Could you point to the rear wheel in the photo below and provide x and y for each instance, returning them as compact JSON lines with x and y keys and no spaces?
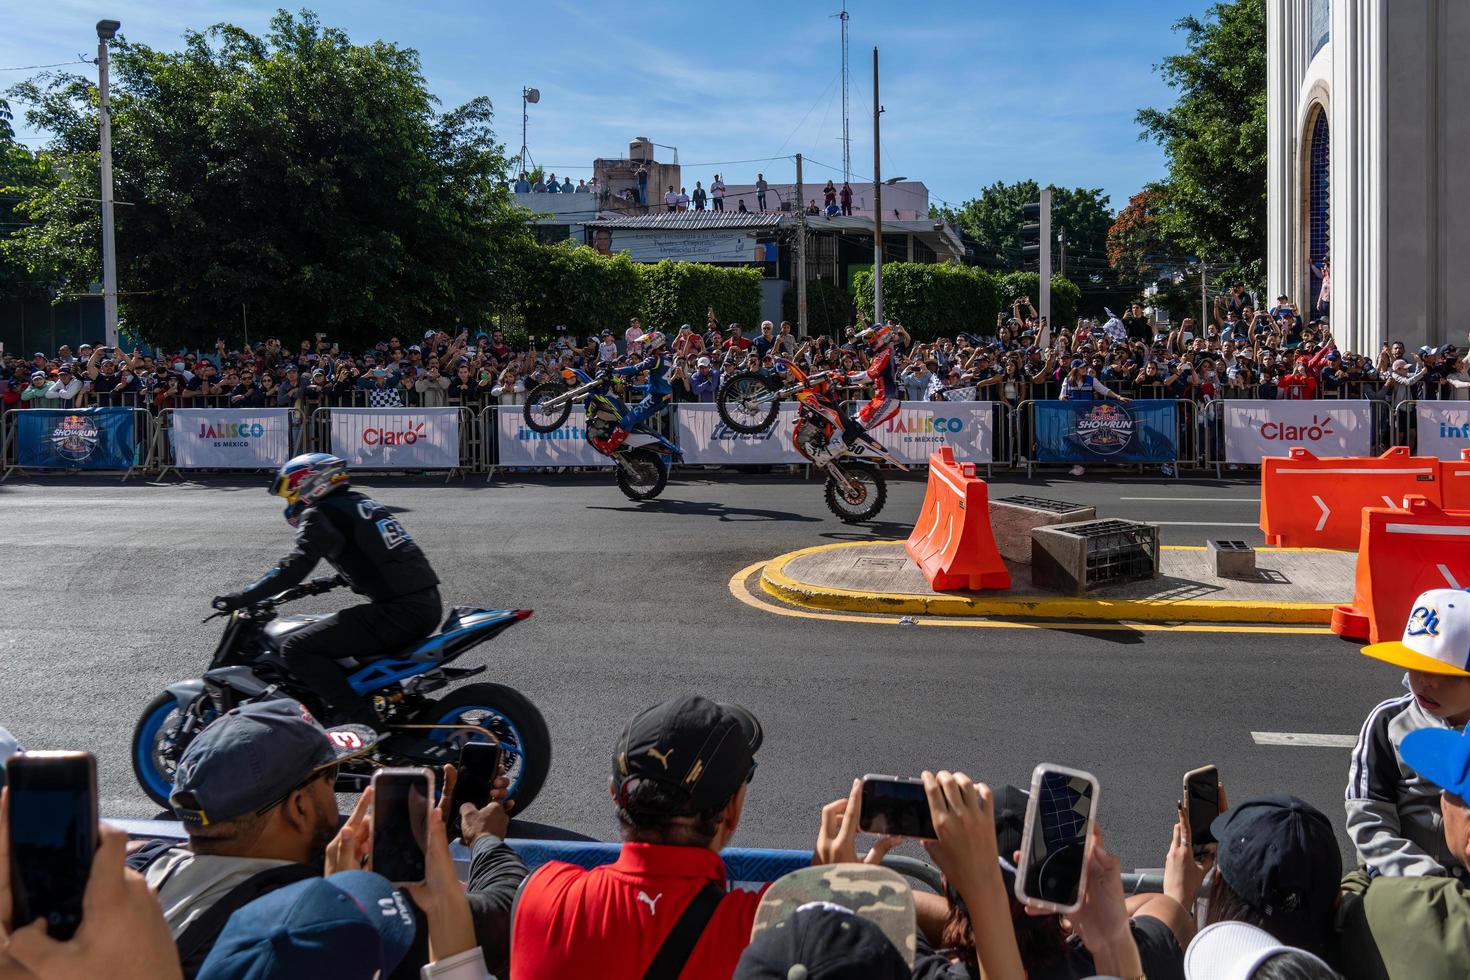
{"x":641,"y":473}
{"x":862,"y":499}
{"x":514,"y":721}
{"x":747,"y":402}
{"x":541,"y":418}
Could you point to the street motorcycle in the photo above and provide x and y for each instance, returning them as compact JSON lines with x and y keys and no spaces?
{"x":642,"y":460}
{"x":749,"y":402}
{"x":420,"y":731}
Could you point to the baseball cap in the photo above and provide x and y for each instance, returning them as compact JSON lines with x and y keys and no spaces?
{"x":415,"y":347}
{"x":1334,"y":356}
{"x":689,"y":742}
{"x":428,"y":334}
{"x":1078,"y":362}
{"x":822,"y":941}
{"x":37,"y":374}
{"x":878,"y":894}
{"x":1279,"y":854}
{"x":703,"y":362}
{"x":255,"y":755}
{"x":1440,"y":755}
{"x":352,"y":925}
{"x":1436,"y":638}
{"x":1233,"y":951}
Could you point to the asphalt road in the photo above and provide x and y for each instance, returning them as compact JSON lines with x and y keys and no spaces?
{"x":107,"y":584}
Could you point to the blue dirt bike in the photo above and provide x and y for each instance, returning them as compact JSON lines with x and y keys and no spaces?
{"x":420,"y":731}
{"x":642,"y":460}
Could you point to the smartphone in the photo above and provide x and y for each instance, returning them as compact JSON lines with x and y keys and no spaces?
{"x":1057,"y":839}
{"x":479,"y":767}
{"x":895,"y":805}
{"x":1201,"y":805}
{"x":53,"y":835}
{"x":400,"y":821}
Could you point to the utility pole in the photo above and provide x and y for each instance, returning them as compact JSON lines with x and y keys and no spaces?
{"x":1062,"y":241}
{"x":800,"y":254}
{"x":846,"y":136}
{"x":1044,"y":286}
{"x":1204,"y":298}
{"x":106,"y":31}
{"x":877,"y":204}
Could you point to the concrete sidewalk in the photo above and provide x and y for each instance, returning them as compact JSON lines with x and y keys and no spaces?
{"x":1292,"y":586}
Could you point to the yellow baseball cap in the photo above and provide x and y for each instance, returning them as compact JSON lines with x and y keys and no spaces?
{"x":1437,"y":637}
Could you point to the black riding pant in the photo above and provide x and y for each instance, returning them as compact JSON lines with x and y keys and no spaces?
{"x":361,"y":631}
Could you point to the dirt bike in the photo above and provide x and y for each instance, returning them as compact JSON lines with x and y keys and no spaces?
{"x":642,"y":460}
{"x":749,"y":403}
{"x":420,"y":731}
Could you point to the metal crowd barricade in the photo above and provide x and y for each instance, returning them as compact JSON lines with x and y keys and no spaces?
{"x":319,"y":428}
{"x":143,"y":447}
{"x":1382,"y":419}
{"x":163,"y":450}
{"x":1186,"y":441}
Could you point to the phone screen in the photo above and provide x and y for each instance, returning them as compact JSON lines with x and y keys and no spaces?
{"x":401,"y":801}
{"x":479,"y":766}
{"x":895,"y":806}
{"x":53,"y":834}
{"x":1202,"y":803}
{"x":1058,"y":821}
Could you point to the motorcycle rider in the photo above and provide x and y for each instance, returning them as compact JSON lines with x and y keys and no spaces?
{"x":660,"y":390}
{"x":370,"y":549}
{"x":883,"y":372}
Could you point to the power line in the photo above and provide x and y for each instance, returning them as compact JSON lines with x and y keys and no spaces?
{"x":59,"y":64}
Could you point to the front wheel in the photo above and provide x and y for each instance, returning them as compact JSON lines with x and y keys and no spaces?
{"x":514,"y":721}
{"x":538,"y":415}
{"x":157,"y":745}
{"x":641,"y":473}
{"x":747,"y":402}
{"x":863,"y":497}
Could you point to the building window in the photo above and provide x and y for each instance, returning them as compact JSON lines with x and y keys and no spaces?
{"x":1321,"y":28}
{"x":1319,"y":200}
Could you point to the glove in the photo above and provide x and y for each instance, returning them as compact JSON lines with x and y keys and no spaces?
{"x":227,"y":603}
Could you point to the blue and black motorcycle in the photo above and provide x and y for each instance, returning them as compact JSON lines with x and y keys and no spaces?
{"x":642,"y":458}
{"x":422,"y":731}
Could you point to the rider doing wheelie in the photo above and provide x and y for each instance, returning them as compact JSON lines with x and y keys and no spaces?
{"x":883,"y":372}
{"x":370,"y":549}
{"x":658,"y":393}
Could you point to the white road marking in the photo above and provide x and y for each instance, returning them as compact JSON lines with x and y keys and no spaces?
{"x":1199,"y":500}
{"x":1448,"y":576}
{"x":1306,"y":739}
{"x":1322,"y":521}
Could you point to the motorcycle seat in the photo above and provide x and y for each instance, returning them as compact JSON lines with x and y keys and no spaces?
{"x":454,"y":620}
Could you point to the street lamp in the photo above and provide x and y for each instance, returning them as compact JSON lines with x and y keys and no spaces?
{"x":529,"y":97}
{"x":106,"y":31}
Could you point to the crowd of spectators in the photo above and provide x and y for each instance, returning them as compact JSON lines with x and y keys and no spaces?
{"x":269,"y":885}
{"x":835,"y":201}
{"x":1269,"y":354}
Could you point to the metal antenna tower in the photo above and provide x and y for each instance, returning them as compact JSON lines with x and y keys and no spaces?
{"x":846,"y":137}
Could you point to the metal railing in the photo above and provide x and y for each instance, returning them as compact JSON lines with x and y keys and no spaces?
{"x":142,"y":461}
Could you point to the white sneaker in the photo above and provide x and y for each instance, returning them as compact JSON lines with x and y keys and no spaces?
{"x":1168,"y":469}
{"x":1077,"y":471}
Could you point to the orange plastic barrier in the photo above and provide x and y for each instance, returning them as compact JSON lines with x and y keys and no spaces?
{"x":1403,"y":552}
{"x":1454,"y":482}
{"x":953,"y":542}
{"x":1308,"y":502}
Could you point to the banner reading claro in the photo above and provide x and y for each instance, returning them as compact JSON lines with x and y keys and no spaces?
{"x":1256,"y":428}
{"x":251,"y":439}
{"x":922,"y":428}
{"x":396,"y":438}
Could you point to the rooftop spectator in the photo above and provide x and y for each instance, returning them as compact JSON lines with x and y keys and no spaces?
{"x":671,"y":199}
{"x":582,"y":187}
{"x":846,"y":197}
{"x":552,"y":187}
{"x":566,"y":185}
{"x":760,"y":191}
{"x":523,"y":186}
{"x":699,"y":196}
{"x":717,"y":193}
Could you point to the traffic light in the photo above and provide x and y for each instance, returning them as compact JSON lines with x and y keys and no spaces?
{"x":1031,"y":232}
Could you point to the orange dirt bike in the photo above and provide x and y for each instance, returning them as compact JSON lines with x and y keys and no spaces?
{"x":824,"y":435}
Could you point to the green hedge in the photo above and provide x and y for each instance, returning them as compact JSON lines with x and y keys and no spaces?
{"x":932,"y":300}
{"x":577,"y":286}
{"x":1065,"y":295}
{"x":683,"y":292}
{"x":828,"y":308}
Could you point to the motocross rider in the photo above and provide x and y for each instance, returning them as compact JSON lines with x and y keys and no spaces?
{"x":657,"y":364}
{"x":883,"y":372}
{"x":370,"y":549}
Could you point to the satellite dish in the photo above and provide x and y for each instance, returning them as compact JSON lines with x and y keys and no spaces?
{"x":533,"y":95}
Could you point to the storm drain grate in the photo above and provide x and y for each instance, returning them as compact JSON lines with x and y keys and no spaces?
{"x":1041,"y":503}
{"x":1117,"y":551}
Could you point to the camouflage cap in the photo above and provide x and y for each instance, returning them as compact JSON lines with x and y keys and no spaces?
{"x":875,"y":893}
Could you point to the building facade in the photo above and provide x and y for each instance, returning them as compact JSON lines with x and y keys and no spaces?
{"x":1368,"y":152}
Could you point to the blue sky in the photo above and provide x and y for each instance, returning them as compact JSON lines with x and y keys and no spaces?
{"x":970,"y":96}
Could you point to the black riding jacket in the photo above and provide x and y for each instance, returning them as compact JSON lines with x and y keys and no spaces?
{"x":362,"y":540}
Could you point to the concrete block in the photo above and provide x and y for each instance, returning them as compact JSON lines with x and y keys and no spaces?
{"x":1075,"y":558}
{"x":1232,"y":559}
{"x":1014,"y":518}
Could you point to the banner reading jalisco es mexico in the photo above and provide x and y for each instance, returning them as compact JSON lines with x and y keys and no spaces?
{"x":235,"y":438}
{"x":393,"y":438}
{"x":517,"y":444}
{"x":75,"y":438}
{"x":920,"y":428}
{"x":1256,"y":428}
{"x":704,"y":438}
{"x":1443,"y":428}
{"x":1106,"y":431}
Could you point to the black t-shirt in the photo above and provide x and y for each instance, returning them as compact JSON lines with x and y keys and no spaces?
{"x":1158,"y":951}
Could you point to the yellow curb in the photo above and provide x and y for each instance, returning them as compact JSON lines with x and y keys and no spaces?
{"x":775,"y":582}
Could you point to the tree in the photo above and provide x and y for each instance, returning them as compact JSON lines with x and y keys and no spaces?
{"x":993,"y":220}
{"x":1214,"y":136}
{"x":1139,"y":244}
{"x":307,"y":179}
